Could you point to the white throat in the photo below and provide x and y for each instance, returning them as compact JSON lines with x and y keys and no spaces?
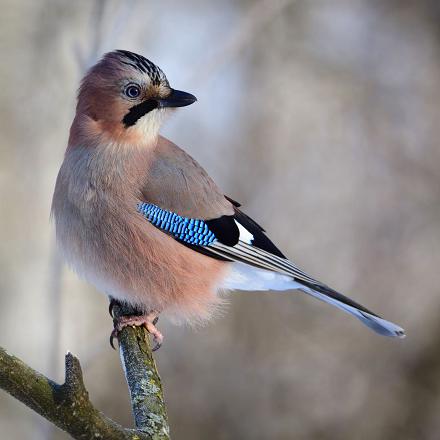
{"x":149,"y":124}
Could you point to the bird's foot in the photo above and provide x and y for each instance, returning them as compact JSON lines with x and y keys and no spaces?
{"x":147,"y":320}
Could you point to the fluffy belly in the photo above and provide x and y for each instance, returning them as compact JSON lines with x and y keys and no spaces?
{"x":135,"y":262}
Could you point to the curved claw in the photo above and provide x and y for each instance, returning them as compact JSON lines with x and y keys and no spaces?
{"x":113,"y":335}
{"x":113,"y":302}
{"x":157,"y":346}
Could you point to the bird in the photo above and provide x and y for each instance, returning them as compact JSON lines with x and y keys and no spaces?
{"x":141,"y":220}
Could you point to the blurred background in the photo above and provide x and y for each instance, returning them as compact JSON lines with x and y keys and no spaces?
{"x":322,"y":118}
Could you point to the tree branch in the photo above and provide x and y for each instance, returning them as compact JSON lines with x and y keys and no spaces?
{"x":68,"y":405}
{"x":143,"y":379}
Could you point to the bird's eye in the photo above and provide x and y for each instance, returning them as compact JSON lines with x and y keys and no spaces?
{"x":132,"y":91}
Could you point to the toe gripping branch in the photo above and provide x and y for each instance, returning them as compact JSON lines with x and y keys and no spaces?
{"x":138,"y":319}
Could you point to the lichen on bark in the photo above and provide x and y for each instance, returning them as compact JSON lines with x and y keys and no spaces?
{"x":68,"y":405}
{"x":143,"y":379}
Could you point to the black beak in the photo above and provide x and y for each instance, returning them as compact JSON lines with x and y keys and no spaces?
{"x":177,"y":98}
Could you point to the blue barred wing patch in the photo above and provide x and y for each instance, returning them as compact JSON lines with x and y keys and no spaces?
{"x":189,"y":230}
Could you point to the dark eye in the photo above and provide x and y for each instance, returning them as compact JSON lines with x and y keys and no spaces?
{"x":132,"y":91}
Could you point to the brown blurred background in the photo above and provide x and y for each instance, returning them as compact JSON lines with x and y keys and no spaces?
{"x":322,"y":118}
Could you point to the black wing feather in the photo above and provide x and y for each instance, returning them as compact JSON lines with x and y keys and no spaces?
{"x":234,"y":202}
{"x":225,"y":229}
{"x":260,"y":240}
{"x":227,"y":232}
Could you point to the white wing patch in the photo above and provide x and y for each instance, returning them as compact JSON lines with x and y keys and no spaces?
{"x":245,"y":235}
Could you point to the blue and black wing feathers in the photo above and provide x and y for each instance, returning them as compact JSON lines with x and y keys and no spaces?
{"x":238,"y":238}
{"x":187,"y":230}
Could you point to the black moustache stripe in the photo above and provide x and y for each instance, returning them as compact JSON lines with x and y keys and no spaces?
{"x":137,"y":111}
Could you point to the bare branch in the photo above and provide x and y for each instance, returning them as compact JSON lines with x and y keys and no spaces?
{"x":67,"y":405}
{"x":143,"y":380}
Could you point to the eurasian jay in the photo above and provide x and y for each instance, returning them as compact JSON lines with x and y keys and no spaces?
{"x":141,"y":220}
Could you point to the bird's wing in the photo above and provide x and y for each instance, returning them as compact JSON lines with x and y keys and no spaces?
{"x":235,"y":238}
{"x":182,"y":200}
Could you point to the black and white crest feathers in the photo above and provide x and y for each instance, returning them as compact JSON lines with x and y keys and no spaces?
{"x":143,"y":65}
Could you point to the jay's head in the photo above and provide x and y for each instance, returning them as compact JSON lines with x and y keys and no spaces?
{"x":127,"y":95}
